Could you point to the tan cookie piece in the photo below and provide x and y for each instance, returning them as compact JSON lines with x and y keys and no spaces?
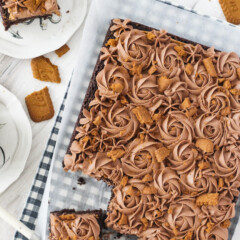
{"x":62,"y":50}
{"x":186,"y":103}
{"x":116,"y":154}
{"x":142,"y":115}
{"x":44,"y":70}
{"x":208,"y":199}
{"x":163,"y":83}
{"x":32,"y":5}
{"x":208,"y":63}
{"x":231,"y":10}
{"x":180,"y":50}
{"x":40,"y":105}
{"x":124,"y":181}
{"x":162,"y":153}
{"x":189,"y":69}
{"x":205,"y":144}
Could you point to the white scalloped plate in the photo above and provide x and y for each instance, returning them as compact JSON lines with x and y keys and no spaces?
{"x":38,"y":37}
{"x":15,"y":138}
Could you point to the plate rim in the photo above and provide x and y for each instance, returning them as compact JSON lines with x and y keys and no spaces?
{"x":24,"y":132}
{"x":29,"y":54}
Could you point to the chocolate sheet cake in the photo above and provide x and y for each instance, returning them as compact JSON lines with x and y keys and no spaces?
{"x":69,"y":224}
{"x":18,"y":11}
{"x":161,"y":123}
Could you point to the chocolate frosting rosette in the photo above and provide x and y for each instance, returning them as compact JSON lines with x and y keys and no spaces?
{"x":182,"y":219}
{"x":168,"y":61}
{"x":134,"y":50}
{"x":199,"y":79}
{"x":113,"y":81}
{"x":216,"y":219}
{"x":184,"y":156}
{"x":140,"y":158}
{"x":217,"y":233}
{"x":119,"y":123}
{"x":101,"y":165}
{"x":167,"y":183}
{"x":208,"y":126}
{"x":145,"y":93}
{"x":84,"y":226}
{"x":128,"y":207}
{"x":157,"y":233}
{"x":227,"y":64}
{"x":227,"y":163}
{"x":214,"y":99}
{"x":199,"y":181}
{"x":175,"y":128}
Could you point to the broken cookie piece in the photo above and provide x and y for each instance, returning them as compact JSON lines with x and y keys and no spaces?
{"x":208,"y":63}
{"x":62,"y":50}
{"x":44,"y":70}
{"x":205,"y":144}
{"x":162,"y":153}
{"x":32,"y":5}
{"x":209,"y":199}
{"x":163,"y":83}
{"x":116,"y":154}
{"x":40,"y":105}
{"x":142,"y":115}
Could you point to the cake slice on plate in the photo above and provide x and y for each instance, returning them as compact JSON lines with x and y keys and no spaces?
{"x":18,"y":11}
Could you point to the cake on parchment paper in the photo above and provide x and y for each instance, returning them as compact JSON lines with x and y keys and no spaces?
{"x":161,"y":123}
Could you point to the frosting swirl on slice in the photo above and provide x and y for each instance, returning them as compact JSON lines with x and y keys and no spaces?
{"x":82,"y":226}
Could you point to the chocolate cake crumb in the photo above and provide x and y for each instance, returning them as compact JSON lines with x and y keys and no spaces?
{"x":73,"y":188}
{"x":119,"y":235}
{"x":81,"y":181}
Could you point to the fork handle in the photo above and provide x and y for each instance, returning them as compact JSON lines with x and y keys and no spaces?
{"x":18,"y":225}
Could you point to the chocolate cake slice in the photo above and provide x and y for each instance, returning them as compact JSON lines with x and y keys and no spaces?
{"x":18,"y":11}
{"x":69,"y":224}
{"x":161,"y":122}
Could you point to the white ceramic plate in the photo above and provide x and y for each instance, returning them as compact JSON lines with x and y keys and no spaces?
{"x":15,"y":138}
{"x":38,"y":37}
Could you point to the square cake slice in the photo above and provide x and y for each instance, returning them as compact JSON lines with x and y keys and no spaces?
{"x":18,"y":11}
{"x":69,"y":224}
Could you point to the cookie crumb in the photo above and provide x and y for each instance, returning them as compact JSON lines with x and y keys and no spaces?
{"x":62,"y":50}
{"x":209,"y":199}
{"x":81,"y":181}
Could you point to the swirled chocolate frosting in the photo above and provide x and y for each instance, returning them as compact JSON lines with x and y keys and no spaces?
{"x":164,"y":128}
{"x":20,"y":9}
{"x":74,"y":226}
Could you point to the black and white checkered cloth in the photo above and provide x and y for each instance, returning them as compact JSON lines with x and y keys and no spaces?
{"x":31,"y":209}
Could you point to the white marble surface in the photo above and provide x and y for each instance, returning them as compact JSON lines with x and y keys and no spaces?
{"x":17,"y":77}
